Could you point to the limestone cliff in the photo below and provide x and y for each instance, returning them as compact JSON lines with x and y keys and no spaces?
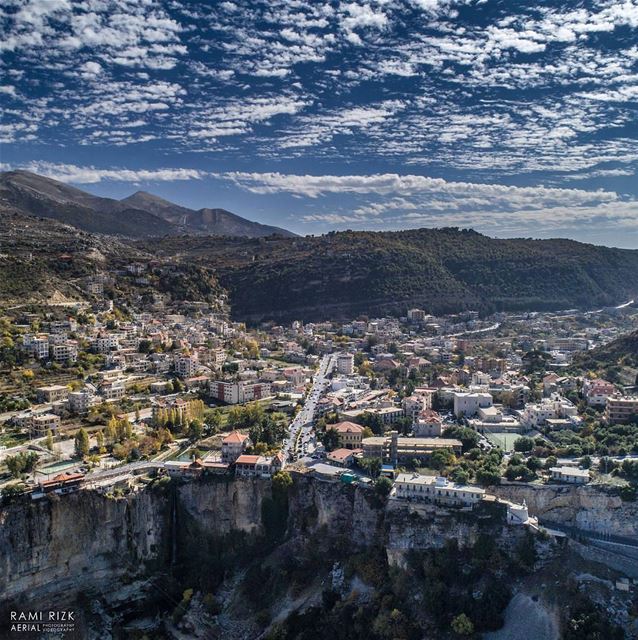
{"x":61,"y":545}
{"x":589,"y":507}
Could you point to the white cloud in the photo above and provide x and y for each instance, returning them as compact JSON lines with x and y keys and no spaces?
{"x":91,"y":175}
{"x":392,"y":183}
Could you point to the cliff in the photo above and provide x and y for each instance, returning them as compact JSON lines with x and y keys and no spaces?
{"x":62,"y":545}
{"x":590,"y":507}
{"x":132,"y":557}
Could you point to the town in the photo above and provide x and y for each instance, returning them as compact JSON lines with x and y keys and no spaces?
{"x":443,"y":409}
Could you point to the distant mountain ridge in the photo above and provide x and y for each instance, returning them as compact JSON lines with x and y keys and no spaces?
{"x":140,"y":215}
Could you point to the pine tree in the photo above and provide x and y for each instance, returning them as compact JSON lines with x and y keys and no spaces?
{"x":82,"y":443}
{"x":111,"y":431}
{"x":49,"y":440}
{"x":99,"y":436}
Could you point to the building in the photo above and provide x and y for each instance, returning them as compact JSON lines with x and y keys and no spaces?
{"x":38,"y":346}
{"x":436,"y":490}
{"x":393,"y":449}
{"x":64,"y":352}
{"x":536,"y":414}
{"x":258,"y":466}
{"x":54,"y":393}
{"x":80,"y":401}
{"x":233,"y":446}
{"x":416,"y":315}
{"x":341,"y":457}
{"x":570,"y":474}
{"x":427,"y":425}
{"x":105,"y":343}
{"x":113,"y":389}
{"x":597,"y":391}
{"x":621,"y":409}
{"x":345,"y":364}
{"x":468,"y":404}
{"x":43,"y":423}
{"x":419,"y":401}
{"x":240,"y":391}
{"x":350,"y":434}
{"x":185,"y":366}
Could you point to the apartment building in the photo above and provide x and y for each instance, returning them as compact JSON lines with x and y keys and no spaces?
{"x":621,"y":409}
{"x":53,"y":393}
{"x":239,"y":391}
{"x":65,"y":352}
{"x":597,"y":391}
{"x":345,"y":364}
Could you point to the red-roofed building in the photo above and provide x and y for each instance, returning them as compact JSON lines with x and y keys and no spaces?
{"x":342,"y":457}
{"x":350,"y":434}
{"x":233,"y":445}
{"x":597,"y":391}
{"x":258,"y":466}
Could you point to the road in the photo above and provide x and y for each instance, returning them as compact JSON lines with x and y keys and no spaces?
{"x":300,"y":438}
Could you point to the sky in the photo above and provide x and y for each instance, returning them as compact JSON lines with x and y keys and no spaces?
{"x":515,"y":118}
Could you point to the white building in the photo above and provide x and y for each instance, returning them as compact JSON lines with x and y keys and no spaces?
{"x":468,"y":404}
{"x":597,"y":391}
{"x":345,"y":364}
{"x":535,"y":414}
{"x":437,"y":490}
{"x":570,"y":474}
{"x":80,"y":401}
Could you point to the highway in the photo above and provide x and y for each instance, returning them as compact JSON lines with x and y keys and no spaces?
{"x":300,"y":439}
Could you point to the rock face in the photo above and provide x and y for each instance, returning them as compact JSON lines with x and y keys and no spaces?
{"x":587,"y":507}
{"x":63,"y":545}
{"x":86,"y":541}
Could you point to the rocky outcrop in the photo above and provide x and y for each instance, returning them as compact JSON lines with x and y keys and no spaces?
{"x":589,"y":507}
{"x":61,"y":545}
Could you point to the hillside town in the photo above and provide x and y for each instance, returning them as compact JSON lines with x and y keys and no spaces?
{"x":436,"y":409}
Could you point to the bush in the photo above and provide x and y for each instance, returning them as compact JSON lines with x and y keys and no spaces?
{"x":462,"y":625}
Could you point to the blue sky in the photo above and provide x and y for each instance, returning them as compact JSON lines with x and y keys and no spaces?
{"x":513,"y":118}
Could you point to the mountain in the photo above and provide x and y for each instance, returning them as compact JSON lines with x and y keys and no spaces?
{"x":138,"y":216}
{"x":207,"y":221}
{"x":441,"y":270}
{"x":36,"y":195}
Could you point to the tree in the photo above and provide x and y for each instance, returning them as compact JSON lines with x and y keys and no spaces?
{"x":49,"y":440}
{"x":467,"y":436}
{"x":383,"y":486}
{"x":331,"y":439}
{"x":82,"y":443}
{"x":371,"y":465}
{"x":551,"y":461}
{"x":462,"y":625}
{"x":534,"y":463}
{"x":372,"y":420}
{"x":99,"y":436}
{"x":441,"y":458}
{"x":281,"y":481}
{"x":111,"y":430}
{"x":22,"y":463}
{"x":524,"y":444}
{"x":195,"y":430}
